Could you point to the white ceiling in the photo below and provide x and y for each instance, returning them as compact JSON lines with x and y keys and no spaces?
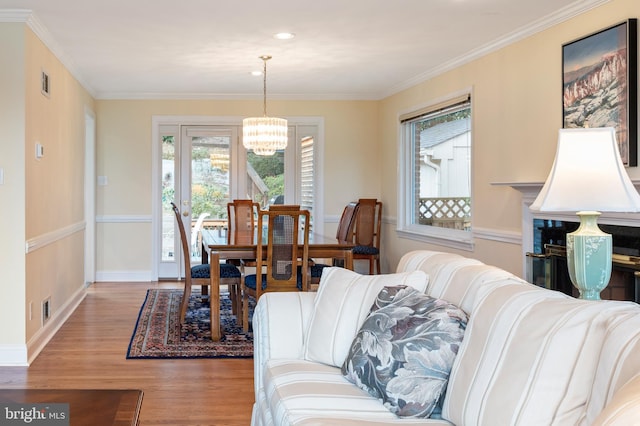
{"x":343,"y":49}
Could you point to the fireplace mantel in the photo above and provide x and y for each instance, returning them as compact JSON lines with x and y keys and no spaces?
{"x":530,"y":190}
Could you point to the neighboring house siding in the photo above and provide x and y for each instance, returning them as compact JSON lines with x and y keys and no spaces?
{"x":446,"y":155}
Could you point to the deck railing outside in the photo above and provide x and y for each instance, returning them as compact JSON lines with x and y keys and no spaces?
{"x":445,"y":212}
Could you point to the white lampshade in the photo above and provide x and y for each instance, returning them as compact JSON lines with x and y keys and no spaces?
{"x":587,"y":175}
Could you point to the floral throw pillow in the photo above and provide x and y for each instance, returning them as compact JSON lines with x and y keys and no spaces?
{"x":405,"y":349}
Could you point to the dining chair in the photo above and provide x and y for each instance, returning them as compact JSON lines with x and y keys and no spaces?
{"x":367,"y":233}
{"x":277,"y":267}
{"x":315,"y":271}
{"x":200,"y":274}
{"x":242,"y":218}
{"x":344,"y":234}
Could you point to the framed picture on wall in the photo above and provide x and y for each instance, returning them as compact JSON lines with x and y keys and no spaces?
{"x":600,"y":84}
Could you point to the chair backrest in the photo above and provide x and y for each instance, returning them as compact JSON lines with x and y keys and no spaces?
{"x":344,"y":234}
{"x":284,"y":207}
{"x":185,"y":246}
{"x":368,"y":222}
{"x":287,"y":247}
{"x":242,"y":216}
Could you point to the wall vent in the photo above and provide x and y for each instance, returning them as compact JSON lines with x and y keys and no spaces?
{"x":46,"y":310}
{"x":45,"y":87}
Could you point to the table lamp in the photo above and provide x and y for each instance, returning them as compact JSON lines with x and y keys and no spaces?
{"x":588,"y":177}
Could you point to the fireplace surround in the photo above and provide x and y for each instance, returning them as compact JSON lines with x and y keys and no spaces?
{"x":544,"y":256}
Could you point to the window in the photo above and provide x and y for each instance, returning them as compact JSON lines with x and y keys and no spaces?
{"x":435,"y":185}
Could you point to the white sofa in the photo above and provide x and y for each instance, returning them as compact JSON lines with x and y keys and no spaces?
{"x":530,"y":356}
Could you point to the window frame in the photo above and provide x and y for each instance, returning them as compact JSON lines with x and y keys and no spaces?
{"x":405,"y":228}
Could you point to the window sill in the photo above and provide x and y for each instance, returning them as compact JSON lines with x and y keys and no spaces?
{"x":459,"y":240}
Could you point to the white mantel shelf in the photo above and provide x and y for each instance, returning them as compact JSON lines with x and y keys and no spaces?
{"x":530,"y":190}
{"x":531,"y":187}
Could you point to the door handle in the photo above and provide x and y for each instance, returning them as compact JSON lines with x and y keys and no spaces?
{"x":185,"y":214}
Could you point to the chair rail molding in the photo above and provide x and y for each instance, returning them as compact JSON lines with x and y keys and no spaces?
{"x":33,"y":244}
{"x":123,"y":219}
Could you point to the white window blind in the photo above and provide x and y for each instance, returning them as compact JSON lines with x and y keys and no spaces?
{"x":306,"y":174}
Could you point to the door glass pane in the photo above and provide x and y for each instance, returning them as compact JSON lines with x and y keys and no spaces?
{"x":265,"y":183}
{"x":168,"y":195}
{"x":210,"y":180}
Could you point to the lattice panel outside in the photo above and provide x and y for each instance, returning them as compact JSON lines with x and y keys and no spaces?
{"x":451,"y":212}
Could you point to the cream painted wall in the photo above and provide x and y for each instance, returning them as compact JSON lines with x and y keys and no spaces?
{"x":12,"y":191}
{"x":54,"y":207}
{"x":124,"y":157}
{"x":517,"y":111}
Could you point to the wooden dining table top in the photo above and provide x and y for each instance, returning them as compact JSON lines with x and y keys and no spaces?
{"x":214,"y":239}
{"x":320,"y":246}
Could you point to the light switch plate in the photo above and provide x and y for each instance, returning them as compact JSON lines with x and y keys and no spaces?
{"x":102,"y":181}
{"x":39,"y":150}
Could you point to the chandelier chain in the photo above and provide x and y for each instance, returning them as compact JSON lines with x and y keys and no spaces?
{"x":264,"y":80}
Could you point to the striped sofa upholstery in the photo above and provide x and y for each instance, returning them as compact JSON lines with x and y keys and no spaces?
{"x":529,"y":357}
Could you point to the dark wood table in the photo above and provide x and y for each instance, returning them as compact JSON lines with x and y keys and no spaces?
{"x":86,"y":406}
{"x":215,"y":248}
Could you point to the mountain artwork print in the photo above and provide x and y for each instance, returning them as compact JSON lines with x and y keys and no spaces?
{"x":596,"y":84}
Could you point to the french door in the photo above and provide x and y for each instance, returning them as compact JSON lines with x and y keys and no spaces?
{"x":197,"y":171}
{"x":204,"y":166}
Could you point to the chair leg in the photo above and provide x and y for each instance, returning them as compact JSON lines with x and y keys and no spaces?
{"x":238,"y":307}
{"x":371,"y":266}
{"x":245,"y":312}
{"x":184,"y":304}
{"x":234,"y":301}
{"x":378,"y":265}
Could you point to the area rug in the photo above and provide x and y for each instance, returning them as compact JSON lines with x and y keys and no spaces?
{"x":158,"y":333}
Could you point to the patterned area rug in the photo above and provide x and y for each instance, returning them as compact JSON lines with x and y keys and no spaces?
{"x":158,"y":333}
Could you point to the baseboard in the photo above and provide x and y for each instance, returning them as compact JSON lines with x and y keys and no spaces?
{"x":44,"y":335}
{"x":23,"y":355}
{"x":123,"y":276}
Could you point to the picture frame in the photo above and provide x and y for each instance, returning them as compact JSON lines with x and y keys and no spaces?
{"x":600,"y":84}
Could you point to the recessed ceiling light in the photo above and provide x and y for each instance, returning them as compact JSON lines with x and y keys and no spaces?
{"x":284,"y":36}
{"x":256,"y":73}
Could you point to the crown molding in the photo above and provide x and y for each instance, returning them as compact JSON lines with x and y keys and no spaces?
{"x":577,"y":8}
{"x":570,"y":11}
{"x":26,"y":16}
{"x":234,"y":96}
{"x":14,"y":15}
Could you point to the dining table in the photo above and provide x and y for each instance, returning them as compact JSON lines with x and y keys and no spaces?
{"x":215,"y":248}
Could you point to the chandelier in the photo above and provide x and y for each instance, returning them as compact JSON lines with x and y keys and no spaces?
{"x":264,"y":135}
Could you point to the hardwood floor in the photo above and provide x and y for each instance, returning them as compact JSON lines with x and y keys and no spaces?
{"x":89,"y":352}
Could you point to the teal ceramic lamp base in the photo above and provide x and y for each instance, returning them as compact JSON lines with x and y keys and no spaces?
{"x":589,"y":252}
